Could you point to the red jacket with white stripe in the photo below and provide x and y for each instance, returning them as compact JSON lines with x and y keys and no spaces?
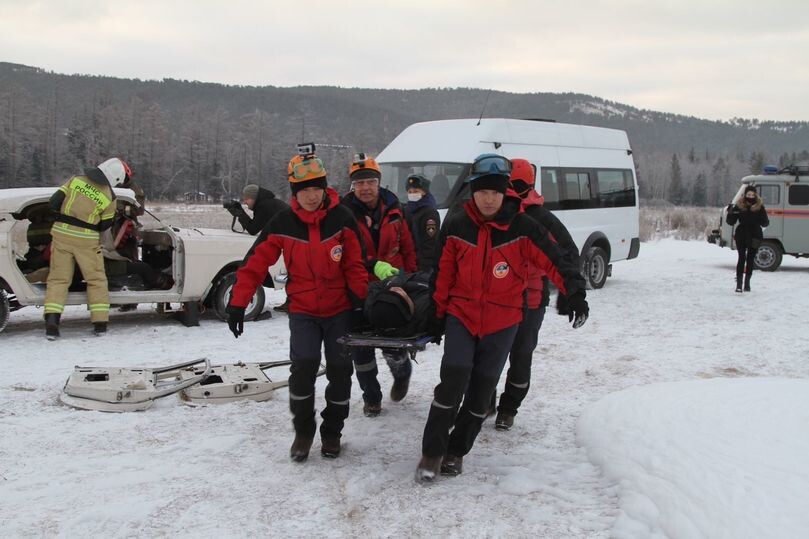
{"x":484,"y":265}
{"x":323,"y":257}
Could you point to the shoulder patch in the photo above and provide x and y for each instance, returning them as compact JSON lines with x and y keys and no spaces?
{"x":431,"y":227}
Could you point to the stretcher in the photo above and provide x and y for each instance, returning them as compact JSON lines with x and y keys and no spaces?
{"x":411,"y":345}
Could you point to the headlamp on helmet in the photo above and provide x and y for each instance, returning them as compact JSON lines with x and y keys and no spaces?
{"x":364,"y":167}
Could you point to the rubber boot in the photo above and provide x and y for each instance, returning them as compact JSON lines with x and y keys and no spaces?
{"x":99,"y":329}
{"x":52,"y":326}
{"x":747,"y":281}
{"x":739,"y":282}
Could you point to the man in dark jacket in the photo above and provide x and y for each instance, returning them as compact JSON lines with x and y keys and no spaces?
{"x":319,"y":240}
{"x":751,"y":215}
{"x":264,"y":205}
{"x":389,"y":250}
{"x":479,"y":289}
{"x":518,"y":377}
{"x":422,"y":217}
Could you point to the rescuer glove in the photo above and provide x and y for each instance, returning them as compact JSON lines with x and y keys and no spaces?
{"x":235,"y":320}
{"x":383,"y":270}
{"x":579,"y":311}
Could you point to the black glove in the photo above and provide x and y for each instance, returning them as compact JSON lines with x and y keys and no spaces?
{"x":358,"y":321}
{"x":579,"y":310}
{"x":436,"y":327}
{"x":562,"y":305}
{"x":235,"y":320}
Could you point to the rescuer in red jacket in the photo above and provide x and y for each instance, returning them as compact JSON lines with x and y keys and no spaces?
{"x":319,"y":240}
{"x":518,"y":377}
{"x":389,"y":249}
{"x":486,"y":248}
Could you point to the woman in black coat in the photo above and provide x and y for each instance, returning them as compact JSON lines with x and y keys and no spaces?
{"x":751,"y":215}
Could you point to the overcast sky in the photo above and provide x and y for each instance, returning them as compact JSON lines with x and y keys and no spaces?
{"x":714,"y":59}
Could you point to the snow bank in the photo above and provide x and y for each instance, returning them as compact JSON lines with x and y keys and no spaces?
{"x":709,"y":458}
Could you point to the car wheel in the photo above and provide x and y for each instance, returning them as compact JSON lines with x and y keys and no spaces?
{"x":222,"y":293}
{"x":5,"y":309}
{"x":594,"y":267}
{"x":768,"y":256}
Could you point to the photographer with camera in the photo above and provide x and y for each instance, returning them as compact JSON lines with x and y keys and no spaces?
{"x":261,"y":201}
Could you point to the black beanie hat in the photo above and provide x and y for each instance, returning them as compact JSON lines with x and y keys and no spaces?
{"x":750,"y":188}
{"x":495,"y":182}
{"x":390,"y":310}
{"x":317,"y":182}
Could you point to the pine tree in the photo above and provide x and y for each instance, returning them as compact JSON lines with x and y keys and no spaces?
{"x":699,"y":195}
{"x":677,"y":194}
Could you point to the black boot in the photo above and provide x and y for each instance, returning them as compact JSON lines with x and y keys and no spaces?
{"x":504,"y":421}
{"x":299,"y":451}
{"x":747,"y":281}
{"x":738,"y":282}
{"x":398,"y":390}
{"x":99,"y":329}
{"x":452,"y":466}
{"x":428,"y":469}
{"x":52,"y":326}
{"x":330,"y":446}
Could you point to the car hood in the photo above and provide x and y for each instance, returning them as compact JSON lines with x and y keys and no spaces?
{"x":215,"y":233}
{"x":14,"y":200}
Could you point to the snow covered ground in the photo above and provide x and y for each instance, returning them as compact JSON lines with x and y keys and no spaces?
{"x":679,"y":410}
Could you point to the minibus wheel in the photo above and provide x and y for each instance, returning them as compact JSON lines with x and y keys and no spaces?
{"x":595,"y":264}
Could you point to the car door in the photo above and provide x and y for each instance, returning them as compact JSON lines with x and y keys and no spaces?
{"x":796,"y":218}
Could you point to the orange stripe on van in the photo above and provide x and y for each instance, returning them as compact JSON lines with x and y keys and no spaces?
{"x":789,"y":213}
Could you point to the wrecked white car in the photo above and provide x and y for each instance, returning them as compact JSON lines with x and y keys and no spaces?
{"x":200,"y":262}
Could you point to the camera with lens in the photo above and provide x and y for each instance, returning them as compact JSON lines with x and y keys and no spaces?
{"x":306,"y":149}
{"x":232,"y":205}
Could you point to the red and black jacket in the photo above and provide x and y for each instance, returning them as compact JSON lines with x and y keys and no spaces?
{"x":323,"y":257}
{"x":483,"y":268}
{"x":394,"y":243}
{"x":532,"y":205}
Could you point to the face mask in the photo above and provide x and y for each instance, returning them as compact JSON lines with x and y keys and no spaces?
{"x":413,"y":197}
{"x":750,"y":201}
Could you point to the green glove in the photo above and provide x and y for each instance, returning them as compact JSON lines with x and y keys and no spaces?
{"x":383,"y":270}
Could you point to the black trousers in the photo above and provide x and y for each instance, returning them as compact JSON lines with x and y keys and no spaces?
{"x":470,"y":365}
{"x":307,"y":333}
{"x":747,"y":255}
{"x":518,"y":378}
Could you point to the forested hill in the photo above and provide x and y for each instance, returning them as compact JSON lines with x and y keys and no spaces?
{"x":184,"y":136}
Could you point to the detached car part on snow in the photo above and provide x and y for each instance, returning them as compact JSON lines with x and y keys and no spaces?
{"x":115,"y":389}
{"x":202,"y":262}
{"x":126,"y":390}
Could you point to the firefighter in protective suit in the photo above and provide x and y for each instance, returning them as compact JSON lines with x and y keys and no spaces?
{"x":84,"y":207}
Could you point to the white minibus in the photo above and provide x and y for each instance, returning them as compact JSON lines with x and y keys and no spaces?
{"x":586,"y":175}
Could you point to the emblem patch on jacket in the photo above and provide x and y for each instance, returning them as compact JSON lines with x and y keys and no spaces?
{"x":431,"y":227}
{"x":500,"y":270}
{"x":336,"y":253}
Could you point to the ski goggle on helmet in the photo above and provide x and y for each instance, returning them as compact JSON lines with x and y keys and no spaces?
{"x":490,"y":163}
{"x":306,"y":168}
